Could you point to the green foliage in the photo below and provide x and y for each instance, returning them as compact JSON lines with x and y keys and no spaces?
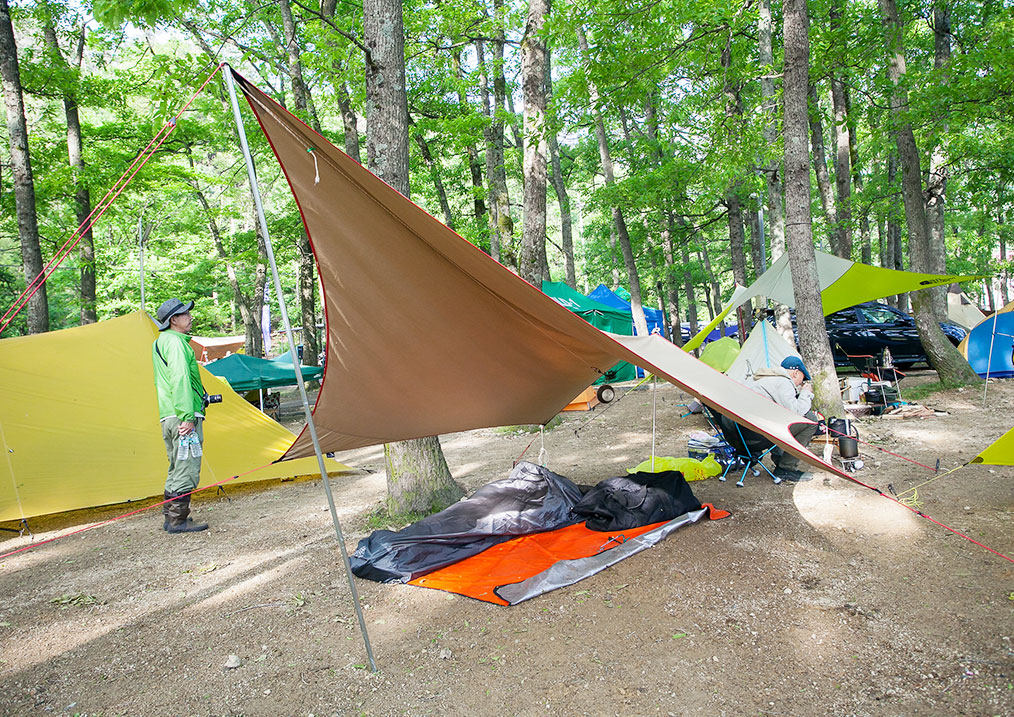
{"x":679,"y":141}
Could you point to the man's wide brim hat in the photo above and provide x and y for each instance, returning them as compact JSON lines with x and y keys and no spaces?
{"x":170,"y":308}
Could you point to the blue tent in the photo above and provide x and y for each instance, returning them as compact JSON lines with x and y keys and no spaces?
{"x":604,"y":295}
{"x":248,"y":373}
{"x":991,"y":346}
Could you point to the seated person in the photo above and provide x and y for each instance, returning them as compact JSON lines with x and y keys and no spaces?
{"x":788,"y":386}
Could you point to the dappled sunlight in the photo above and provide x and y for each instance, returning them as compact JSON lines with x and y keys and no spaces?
{"x":243,"y":586}
{"x":826,"y":507}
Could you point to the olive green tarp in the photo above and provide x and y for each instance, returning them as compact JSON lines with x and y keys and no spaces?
{"x":843,"y":283}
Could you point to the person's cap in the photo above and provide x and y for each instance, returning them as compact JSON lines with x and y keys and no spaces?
{"x":797,"y":363}
{"x":170,"y":308}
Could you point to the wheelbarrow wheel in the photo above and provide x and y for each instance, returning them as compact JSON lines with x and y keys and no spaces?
{"x":606,"y":393}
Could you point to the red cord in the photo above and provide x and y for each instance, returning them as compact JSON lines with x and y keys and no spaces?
{"x":33,"y":287}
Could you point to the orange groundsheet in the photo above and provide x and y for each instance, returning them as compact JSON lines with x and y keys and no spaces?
{"x":521,"y":558}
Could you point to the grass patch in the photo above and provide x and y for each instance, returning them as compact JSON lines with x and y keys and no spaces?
{"x":382,"y":519}
{"x":923,"y":390}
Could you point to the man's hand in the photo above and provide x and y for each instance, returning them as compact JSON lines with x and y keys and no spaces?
{"x":185,"y":428}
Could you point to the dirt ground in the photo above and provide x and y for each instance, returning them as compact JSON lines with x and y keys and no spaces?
{"x":817,"y":598}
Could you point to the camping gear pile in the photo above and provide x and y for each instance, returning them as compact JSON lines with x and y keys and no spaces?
{"x":529,"y":533}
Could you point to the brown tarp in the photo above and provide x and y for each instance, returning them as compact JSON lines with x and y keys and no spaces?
{"x":427,"y":335}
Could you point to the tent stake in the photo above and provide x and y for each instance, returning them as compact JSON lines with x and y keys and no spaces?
{"x":295,"y":359}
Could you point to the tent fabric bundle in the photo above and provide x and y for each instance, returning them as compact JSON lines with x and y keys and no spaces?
{"x":249,"y":373}
{"x":520,"y":537}
{"x":79,"y":423}
{"x":531,"y":499}
{"x":531,"y":565}
{"x":467,"y":326}
{"x":843,"y":283}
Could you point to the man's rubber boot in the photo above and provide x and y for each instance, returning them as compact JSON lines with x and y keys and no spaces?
{"x":167,"y":496}
{"x":179,"y":517}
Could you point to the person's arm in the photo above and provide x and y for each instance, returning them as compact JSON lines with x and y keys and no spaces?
{"x":179,"y":381}
{"x":785,"y":395}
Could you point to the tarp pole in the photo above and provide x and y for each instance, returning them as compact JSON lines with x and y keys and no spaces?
{"x":989,"y":360}
{"x":295,"y":359}
{"x":140,"y":253}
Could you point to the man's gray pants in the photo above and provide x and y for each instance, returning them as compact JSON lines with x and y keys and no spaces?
{"x":184,"y":475}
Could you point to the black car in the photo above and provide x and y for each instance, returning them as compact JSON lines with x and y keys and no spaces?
{"x":868,"y":329}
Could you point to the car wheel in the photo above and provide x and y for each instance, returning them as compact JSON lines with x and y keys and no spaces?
{"x":606,"y":393}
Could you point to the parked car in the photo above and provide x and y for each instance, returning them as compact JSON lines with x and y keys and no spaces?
{"x":869,"y":328}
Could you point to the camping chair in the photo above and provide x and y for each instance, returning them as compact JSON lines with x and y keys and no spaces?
{"x":872,"y":367}
{"x":750,"y":447}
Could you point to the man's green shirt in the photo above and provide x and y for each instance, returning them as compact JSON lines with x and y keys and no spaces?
{"x":177,"y":377}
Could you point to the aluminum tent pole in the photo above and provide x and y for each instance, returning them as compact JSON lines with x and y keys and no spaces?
{"x":295,"y":359}
{"x":989,"y":360}
{"x":140,"y":253}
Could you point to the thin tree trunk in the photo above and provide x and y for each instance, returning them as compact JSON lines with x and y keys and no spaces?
{"x":417,"y":475}
{"x":435,"y":172}
{"x":636,"y":307}
{"x":842,"y":137}
{"x":715,"y":295}
{"x":501,"y":226}
{"x":820,"y":167}
{"x":560,"y":187}
{"x":533,"y":83}
{"x":950,"y":366}
{"x":21,"y":169}
{"x":813,"y":339}
{"x":239,"y":300}
{"x":75,"y":154}
{"x":478,"y":203}
{"x":307,"y":263}
{"x":857,"y":183}
{"x":936,"y":186}
{"x":772,"y":171}
{"x":350,"y":122}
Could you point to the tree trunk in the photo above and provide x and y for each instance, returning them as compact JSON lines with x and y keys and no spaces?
{"x":478,"y":203}
{"x":820,"y":167}
{"x":716,"y":292}
{"x":688,"y":287}
{"x":636,"y":307}
{"x":307,"y":263}
{"x":950,"y":366}
{"x":772,"y":171}
{"x":435,"y":172}
{"x":349,"y":120}
{"x":75,"y":154}
{"x":239,"y":299}
{"x":814,"y":345}
{"x":533,"y":83}
{"x":560,"y":187}
{"x":737,"y":241}
{"x":936,"y":187}
{"x":501,"y":226}
{"x":857,"y":183}
{"x":417,"y":475}
{"x":21,"y":168}
{"x":842,"y":156}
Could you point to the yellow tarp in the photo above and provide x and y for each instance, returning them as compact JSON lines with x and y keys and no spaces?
{"x":720,"y":354}
{"x":999,"y":453}
{"x":79,"y":423}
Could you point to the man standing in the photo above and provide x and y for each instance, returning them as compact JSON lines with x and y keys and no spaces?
{"x":180,"y":409}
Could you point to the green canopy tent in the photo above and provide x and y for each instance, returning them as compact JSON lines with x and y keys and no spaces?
{"x":602,"y":317}
{"x":248,"y":373}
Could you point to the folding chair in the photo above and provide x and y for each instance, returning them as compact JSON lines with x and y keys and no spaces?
{"x":872,"y":367}
{"x":750,"y":447}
